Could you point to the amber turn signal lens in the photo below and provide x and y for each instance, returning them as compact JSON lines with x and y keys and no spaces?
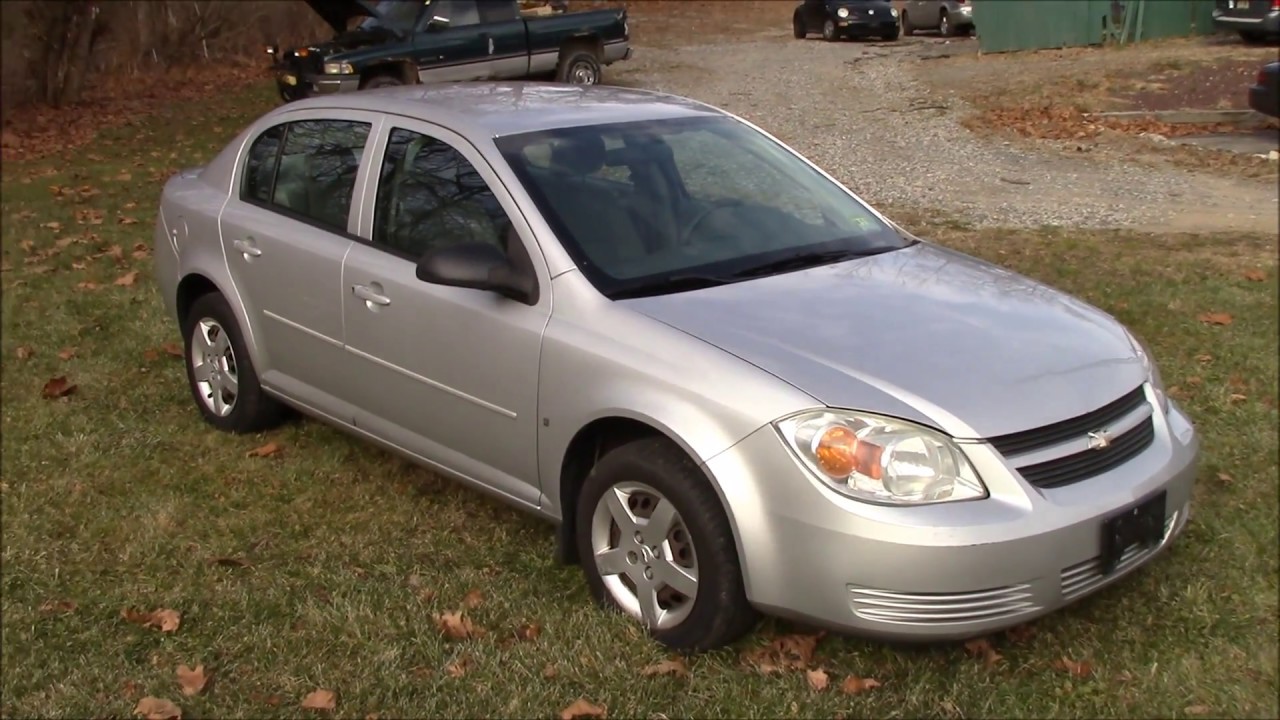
{"x":840,"y":453}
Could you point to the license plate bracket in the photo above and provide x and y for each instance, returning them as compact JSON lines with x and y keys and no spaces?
{"x":1141,"y":524}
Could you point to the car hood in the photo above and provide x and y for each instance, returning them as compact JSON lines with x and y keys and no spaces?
{"x":337,"y":13}
{"x":923,"y":333}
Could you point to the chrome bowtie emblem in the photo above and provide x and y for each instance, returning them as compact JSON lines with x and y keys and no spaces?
{"x":1099,"y":440}
{"x":871,"y":12}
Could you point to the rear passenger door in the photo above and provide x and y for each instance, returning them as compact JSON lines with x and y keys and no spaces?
{"x":449,"y":374}
{"x":285,"y":232}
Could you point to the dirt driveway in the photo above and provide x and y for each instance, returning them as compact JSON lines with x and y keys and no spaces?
{"x":866,"y":112}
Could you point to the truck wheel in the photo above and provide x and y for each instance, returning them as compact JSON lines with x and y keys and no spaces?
{"x":378,"y":81}
{"x":579,"y":67}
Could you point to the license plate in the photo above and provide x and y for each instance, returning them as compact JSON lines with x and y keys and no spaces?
{"x":1142,"y":524}
{"x":1241,"y":5}
{"x":289,"y":79}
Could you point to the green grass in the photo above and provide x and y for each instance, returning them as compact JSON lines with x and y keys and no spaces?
{"x":119,"y":496}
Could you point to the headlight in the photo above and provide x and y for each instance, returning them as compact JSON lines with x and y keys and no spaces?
{"x":893,"y":12}
{"x":843,"y":12}
{"x":338,"y":68}
{"x":1153,"y":372}
{"x":881,"y":460}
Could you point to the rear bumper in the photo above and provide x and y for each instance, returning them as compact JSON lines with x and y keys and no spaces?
{"x":615,"y":51}
{"x":1268,"y":24}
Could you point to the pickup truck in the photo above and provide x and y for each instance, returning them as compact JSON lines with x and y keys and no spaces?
{"x":403,"y":42}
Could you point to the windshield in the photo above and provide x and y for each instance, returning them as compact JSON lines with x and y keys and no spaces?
{"x":661,"y":206}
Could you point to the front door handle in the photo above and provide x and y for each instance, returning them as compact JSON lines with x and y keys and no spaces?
{"x":247,"y":247}
{"x":372,"y":295}
{"x":490,"y":45}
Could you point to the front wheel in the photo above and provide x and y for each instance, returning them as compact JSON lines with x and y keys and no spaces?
{"x":579,"y":67}
{"x":829,"y":31}
{"x":893,"y":36}
{"x":656,"y":544}
{"x":797,"y":28}
{"x":223,"y":381}
{"x":907,"y":28}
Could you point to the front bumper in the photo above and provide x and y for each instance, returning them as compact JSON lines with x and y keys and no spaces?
{"x":297,"y":85}
{"x":1268,"y":24}
{"x":938,"y":572}
{"x":1264,"y":100}
{"x":866,"y":28}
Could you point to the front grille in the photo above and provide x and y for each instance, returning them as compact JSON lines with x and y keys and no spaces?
{"x":1030,"y":440}
{"x":1083,"y":465}
{"x":1082,"y":578}
{"x":941,"y":608}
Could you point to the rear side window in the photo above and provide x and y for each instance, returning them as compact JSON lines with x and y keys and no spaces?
{"x":307,"y":168}
{"x":260,"y":170}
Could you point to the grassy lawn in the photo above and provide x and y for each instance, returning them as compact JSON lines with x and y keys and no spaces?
{"x":325,"y":565}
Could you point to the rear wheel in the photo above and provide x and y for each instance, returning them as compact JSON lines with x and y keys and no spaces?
{"x":656,"y":544}
{"x":907,"y":29}
{"x":829,"y":31}
{"x":797,"y":27}
{"x":1252,"y":36}
{"x":945,"y":28}
{"x":579,"y":67}
{"x":223,"y":381}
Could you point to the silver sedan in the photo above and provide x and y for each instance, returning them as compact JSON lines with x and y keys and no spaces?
{"x":733,"y":385}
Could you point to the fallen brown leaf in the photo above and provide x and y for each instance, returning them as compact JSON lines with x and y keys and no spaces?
{"x":57,"y":387}
{"x":473,"y":599}
{"x":126,"y":220}
{"x":1081,"y":669}
{"x":1255,"y":275}
{"x":127,"y":279}
{"x":87,"y":285}
{"x":549,"y":671}
{"x":267,"y":450}
{"x":1216,"y":318}
{"x":150,"y":355}
{"x":672,"y":666}
{"x":818,"y":679}
{"x":1204,"y":358}
{"x":456,"y":626}
{"x":1237,"y":397}
{"x":582,"y":708}
{"x":981,"y":647}
{"x":786,"y":652}
{"x":67,"y":353}
{"x":172,"y":349}
{"x":854,"y":685}
{"x":163,"y":619}
{"x":24,"y":352}
{"x":1225,"y":478}
{"x":123,"y":177}
{"x":58,"y":607}
{"x":1197,"y":710}
{"x":459,"y":667}
{"x":53,"y":225}
{"x":152,"y":708}
{"x":192,"y":681}
{"x":320,"y":700}
{"x":528,"y":632}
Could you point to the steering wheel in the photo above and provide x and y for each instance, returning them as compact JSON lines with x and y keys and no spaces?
{"x":715,"y":206}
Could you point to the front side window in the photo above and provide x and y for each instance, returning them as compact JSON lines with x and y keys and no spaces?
{"x":315,"y":175}
{"x":653,"y":206}
{"x":430,"y":196}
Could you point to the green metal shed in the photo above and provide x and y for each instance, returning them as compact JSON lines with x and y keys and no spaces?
{"x":1012,"y":25}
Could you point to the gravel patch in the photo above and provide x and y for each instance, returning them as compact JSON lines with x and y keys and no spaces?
{"x":861,"y":112}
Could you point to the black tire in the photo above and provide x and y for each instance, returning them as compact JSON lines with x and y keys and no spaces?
{"x":829,"y":31}
{"x":1253,"y":36}
{"x":893,"y":36}
{"x":797,"y":27}
{"x":252,"y":410}
{"x":379,"y":81}
{"x":907,"y":29}
{"x":579,"y":67}
{"x":720,"y":613}
{"x":945,"y":28}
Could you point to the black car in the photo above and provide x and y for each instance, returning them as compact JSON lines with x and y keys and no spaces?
{"x":1264,"y":95}
{"x":837,"y":19}
{"x":1255,"y":20}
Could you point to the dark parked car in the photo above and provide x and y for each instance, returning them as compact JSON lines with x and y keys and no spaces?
{"x":837,"y":19}
{"x":1255,"y":20}
{"x":403,"y":42}
{"x":1264,"y":95}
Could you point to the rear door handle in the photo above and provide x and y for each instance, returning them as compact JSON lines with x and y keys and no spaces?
{"x":247,"y":248}
{"x":371,"y":295}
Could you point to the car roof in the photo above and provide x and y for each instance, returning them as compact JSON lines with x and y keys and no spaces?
{"x":495,"y":109}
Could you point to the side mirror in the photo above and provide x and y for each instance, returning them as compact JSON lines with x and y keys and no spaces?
{"x":437,"y":23}
{"x":479,"y":266}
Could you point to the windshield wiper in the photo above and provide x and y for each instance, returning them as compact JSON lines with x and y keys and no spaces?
{"x":799,"y":261}
{"x":672,"y":284}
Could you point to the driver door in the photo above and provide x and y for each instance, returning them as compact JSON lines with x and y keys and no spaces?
{"x":449,"y":374}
